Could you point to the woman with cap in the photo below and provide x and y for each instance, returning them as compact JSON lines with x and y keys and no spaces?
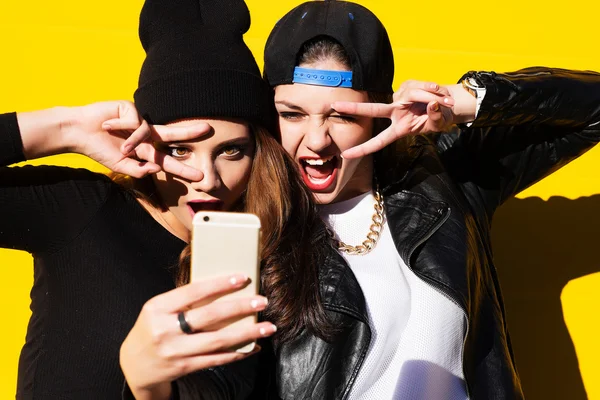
{"x":105,"y":249}
{"x":413,"y":292}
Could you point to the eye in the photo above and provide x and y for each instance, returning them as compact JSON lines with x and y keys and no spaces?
{"x":343,"y":118}
{"x":232,"y":151}
{"x":290,"y":115}
{"x":177,"y":151}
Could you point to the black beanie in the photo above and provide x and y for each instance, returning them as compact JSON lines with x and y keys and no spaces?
{"x":197,"y":64}
{"x":357,"y":29}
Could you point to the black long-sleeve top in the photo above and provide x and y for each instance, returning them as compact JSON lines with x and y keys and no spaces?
{"x":98,"y":257}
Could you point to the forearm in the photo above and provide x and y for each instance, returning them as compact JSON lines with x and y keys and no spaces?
{"x":43,"y":132}
{"x":539,"y":96}
{"x":530,"y":123}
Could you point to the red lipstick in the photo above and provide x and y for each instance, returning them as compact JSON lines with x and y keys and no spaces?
{"x":319,"y":176}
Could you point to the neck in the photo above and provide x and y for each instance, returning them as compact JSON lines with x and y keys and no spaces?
{"x":168,"y":221}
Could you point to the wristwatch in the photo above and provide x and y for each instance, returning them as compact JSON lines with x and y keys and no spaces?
{"x":470,"y":86}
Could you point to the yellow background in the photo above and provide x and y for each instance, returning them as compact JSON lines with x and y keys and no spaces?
{"x":70,"y":52}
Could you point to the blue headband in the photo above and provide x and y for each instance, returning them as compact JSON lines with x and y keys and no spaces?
{"x":322,"y":77}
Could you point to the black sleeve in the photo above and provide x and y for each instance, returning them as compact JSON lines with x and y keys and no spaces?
{"x":228,"y":382}
{"x":11,"y":145}
{"x":531,"y":123}
{"x":42,"y":208}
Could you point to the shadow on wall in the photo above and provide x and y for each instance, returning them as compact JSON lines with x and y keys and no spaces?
{"x":539,"y":246}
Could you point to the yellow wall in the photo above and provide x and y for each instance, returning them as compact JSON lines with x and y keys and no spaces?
{"x":70,"y":52}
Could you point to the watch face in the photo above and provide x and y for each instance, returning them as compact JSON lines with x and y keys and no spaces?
{"x":470,"y":86}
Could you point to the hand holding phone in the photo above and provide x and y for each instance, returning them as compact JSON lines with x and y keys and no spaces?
{"x":157,"y":350}
{"x":225,"y":243}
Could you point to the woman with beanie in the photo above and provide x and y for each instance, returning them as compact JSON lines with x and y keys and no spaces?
{"x":414,"y":291}
{"x":104,"y":249}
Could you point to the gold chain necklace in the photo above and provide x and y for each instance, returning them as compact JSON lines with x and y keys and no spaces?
{"x":373,"y":235}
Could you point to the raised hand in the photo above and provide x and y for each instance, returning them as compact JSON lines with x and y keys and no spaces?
{"x":157,"y":351}
{"x":114,"y":134}
{"x":418,"y":107}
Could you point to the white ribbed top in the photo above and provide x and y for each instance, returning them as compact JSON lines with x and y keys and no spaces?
{"x":417,"y":332}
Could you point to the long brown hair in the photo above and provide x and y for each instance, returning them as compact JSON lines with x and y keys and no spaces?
{"x":294,"y":240}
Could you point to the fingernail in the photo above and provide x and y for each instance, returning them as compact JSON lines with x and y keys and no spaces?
{"x":259,"y":302}
{"x":332,"y":107}
{"x":342,"y":156}
{"x":446,"y":100}
{"x":238,"y":279}
{"x":265,"y":332}
{"x":106,"y":127}
{"x":436,"y":106}
{"x":434,"y":86}
{"x":127,"y":149}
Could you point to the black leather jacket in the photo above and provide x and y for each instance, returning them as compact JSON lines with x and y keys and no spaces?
{"x":439,"y":204}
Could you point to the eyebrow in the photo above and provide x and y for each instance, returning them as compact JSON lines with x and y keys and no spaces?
{"x":238,"y":140}
{"x":289,"y":105}
{"x":293,"y":106}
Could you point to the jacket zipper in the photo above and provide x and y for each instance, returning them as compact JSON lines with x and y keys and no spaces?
{"x":441,"y":290}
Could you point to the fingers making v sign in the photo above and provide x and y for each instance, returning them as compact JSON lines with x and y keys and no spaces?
{"x":417,"y":108}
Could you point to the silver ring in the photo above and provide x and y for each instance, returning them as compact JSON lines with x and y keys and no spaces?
{"x":183,"y":324}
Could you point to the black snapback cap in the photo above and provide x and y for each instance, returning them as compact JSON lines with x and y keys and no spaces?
{"x":356,"y":28}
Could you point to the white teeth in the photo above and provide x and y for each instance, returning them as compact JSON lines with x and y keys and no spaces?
{"x":317,"y":161}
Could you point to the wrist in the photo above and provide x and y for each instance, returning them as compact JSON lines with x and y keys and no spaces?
{"x":71,"y":129}
{"x":161,"y":391}
{"x":465,"y":104}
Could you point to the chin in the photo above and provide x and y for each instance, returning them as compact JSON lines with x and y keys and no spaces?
{"x":324,"y":198}
{"x":184,"y":218}
{"x":187,"y":224}
{"x":332,"y":194}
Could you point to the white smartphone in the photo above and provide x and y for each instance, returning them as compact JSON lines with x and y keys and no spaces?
{"x":226,"y":243}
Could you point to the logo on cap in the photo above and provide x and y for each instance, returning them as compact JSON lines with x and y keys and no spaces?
{"x":321,"y":77}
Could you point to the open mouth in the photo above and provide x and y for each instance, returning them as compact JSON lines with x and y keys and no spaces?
{"x":204,"y":205}
{"x":319,"y":173}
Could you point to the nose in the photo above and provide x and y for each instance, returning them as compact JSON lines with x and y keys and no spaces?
{"x":317,"y":137}
{"x":211,"y":179}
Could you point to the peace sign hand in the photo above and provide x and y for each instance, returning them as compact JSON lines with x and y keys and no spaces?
{"x":418,"y":108}
{"x":115,"y":135}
